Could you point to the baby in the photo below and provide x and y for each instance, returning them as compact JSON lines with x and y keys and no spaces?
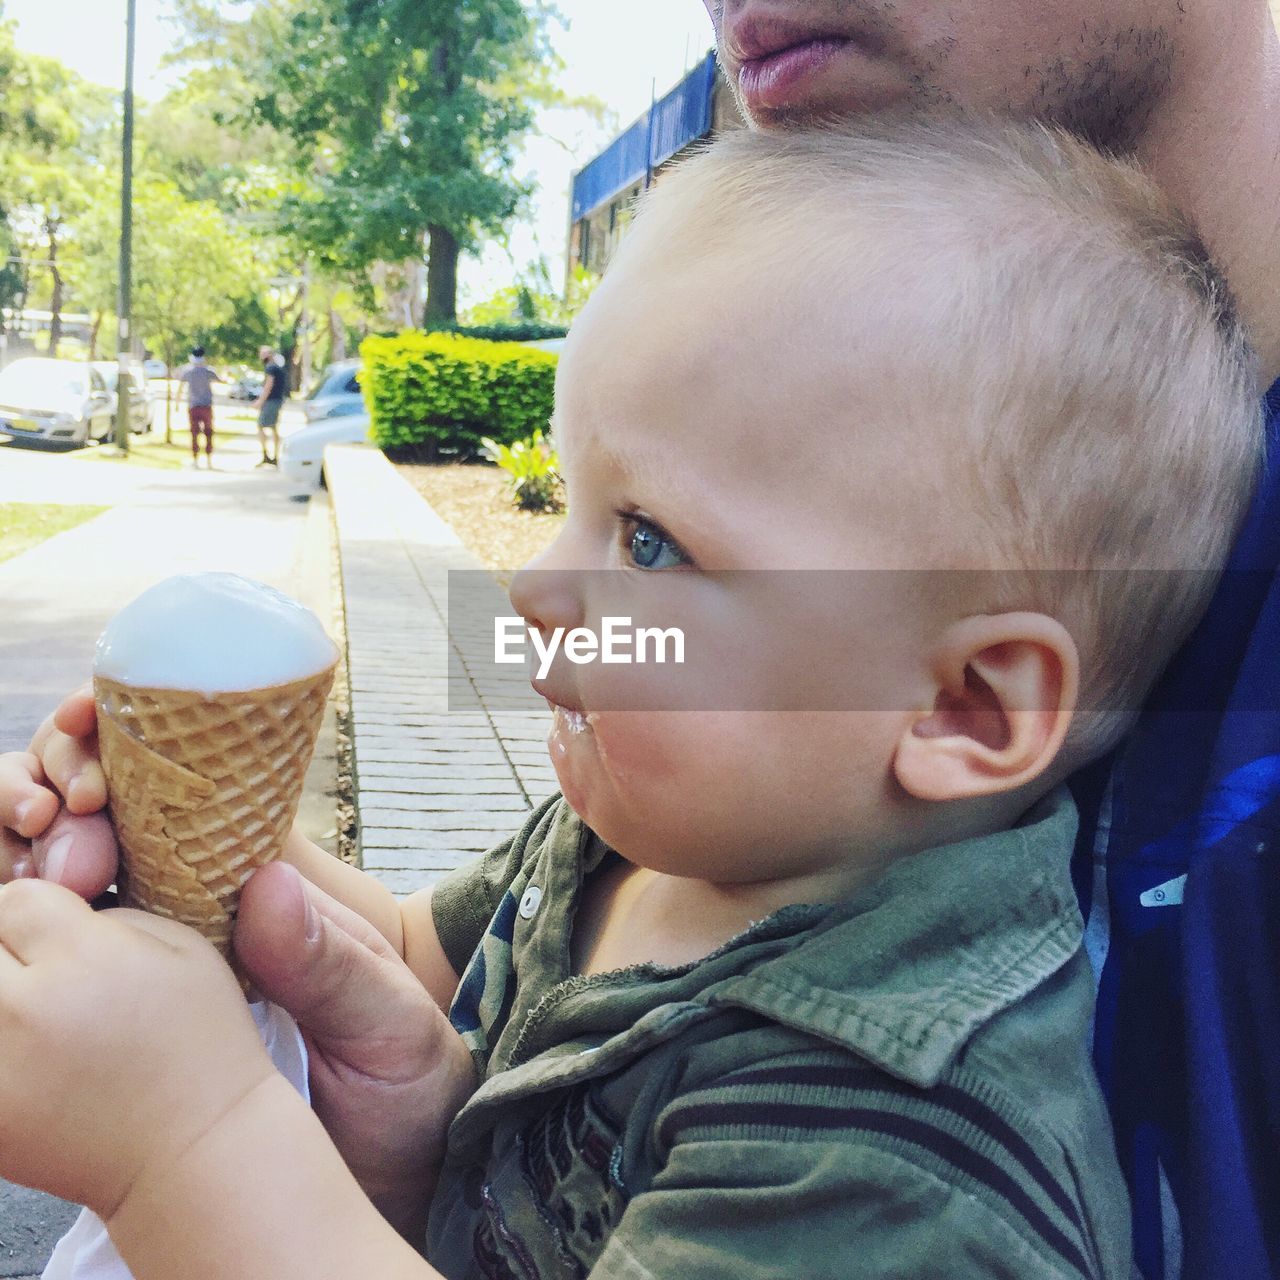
{"x":800,"y":990}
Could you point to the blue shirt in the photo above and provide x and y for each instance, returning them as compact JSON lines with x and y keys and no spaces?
{"x":1178,"y":872}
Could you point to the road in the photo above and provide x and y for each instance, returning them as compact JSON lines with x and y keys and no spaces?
{"x":57,"y":597}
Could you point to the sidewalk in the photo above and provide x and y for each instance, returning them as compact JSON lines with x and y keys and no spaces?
{"x":59,"y":595}
{"x":444,"y":770}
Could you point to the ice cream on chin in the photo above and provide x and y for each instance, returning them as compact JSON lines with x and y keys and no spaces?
{"x":210,"y":690}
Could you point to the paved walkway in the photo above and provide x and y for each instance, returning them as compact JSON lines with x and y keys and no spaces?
{"x":445,"y":765}
{"x":58,"y":596}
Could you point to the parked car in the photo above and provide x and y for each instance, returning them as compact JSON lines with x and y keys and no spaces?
{"x":142,"y":404}
{"x":62,"y":402}
{"x":337,"y":394}
{"x":155,"y":369}
{"x":554,"y":345}
{"x":302,"y":453}
{"x":245,"y":386}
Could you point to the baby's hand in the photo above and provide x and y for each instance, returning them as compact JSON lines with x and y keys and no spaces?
{"x":124,"y":1040}
{"x":51,"y":800}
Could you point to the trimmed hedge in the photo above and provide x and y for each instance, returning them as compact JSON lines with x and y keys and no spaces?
{"x":433,"y":391}
{"x":512,"y":331}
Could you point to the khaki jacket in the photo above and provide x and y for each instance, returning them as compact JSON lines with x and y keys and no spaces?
{"x":895,"y":1086}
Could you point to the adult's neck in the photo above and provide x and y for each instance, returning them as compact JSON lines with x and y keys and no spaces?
{"x":1214,"y":146}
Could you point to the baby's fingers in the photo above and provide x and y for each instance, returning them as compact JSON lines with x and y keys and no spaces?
{"x":38,"y":919}
{"x":72,"y":765}
{"x":77,"y":716}
{"x":26,"y":806}
{"x":15,"y":857}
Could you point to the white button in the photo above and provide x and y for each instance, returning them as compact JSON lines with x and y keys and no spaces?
{"x":529,"y":903}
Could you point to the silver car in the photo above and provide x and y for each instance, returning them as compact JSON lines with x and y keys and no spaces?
{"x":142,"y":404}
{"x":337,"y":394}
{"x":63,"y":402}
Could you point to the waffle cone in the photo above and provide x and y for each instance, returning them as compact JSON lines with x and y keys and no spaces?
{"x":203,"y":790}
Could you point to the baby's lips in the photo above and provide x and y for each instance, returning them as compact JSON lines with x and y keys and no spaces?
{"x":555,"y":695}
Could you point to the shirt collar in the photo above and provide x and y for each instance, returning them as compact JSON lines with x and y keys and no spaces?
{"x":905,"y":971}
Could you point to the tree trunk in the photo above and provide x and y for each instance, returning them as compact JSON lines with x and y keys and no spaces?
{"x":337,"y":337}
{"x":170,"y":357}
{"x":442,"y":276}
{"x":93,"y":335}
{"x":55,"y":303}
{"x":415,"y":292}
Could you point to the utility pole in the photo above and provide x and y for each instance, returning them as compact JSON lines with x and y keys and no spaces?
{"x":306,"y":326}
{"x":124,"y":308}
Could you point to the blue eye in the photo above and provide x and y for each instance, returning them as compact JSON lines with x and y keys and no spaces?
{"x":650,"y":548}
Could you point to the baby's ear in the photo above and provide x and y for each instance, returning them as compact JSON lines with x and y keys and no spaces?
{"x":1006,"y":689}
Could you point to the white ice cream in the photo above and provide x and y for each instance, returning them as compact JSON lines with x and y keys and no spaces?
{"x":212,"y":633}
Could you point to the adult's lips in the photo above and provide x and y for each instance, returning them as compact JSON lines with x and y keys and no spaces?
{"x":774,"y":57}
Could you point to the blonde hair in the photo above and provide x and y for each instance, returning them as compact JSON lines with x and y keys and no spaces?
{"x":1049,"y":303}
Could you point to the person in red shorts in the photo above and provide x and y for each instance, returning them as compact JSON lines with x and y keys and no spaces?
{"x":199,"y":379}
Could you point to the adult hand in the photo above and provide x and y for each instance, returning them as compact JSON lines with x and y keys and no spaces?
{"x":388,"y":1071}
{"x":51,"y":800}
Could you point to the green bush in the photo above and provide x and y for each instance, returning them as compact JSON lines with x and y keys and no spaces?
{"x":523,"y":331}
{"x":504,"y":331}
{"x":533,"y":471}
{"x":433,"y":391}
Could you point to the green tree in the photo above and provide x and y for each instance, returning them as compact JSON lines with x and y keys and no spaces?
{"x":425,"y":167}
{"x":52,"y":130}
{"x":191,"y":266}
{"x":533,"y":299}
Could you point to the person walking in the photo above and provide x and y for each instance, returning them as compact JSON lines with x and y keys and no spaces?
{"x":198,"y":379}
{"x":268,"y":404}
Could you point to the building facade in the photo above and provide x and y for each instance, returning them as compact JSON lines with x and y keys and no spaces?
{"x":605,"y":189}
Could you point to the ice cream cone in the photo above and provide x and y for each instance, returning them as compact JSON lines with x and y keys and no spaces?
{"x":203,"y":789}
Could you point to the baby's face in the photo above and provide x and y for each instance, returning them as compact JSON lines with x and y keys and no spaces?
{"x":707,"y":435}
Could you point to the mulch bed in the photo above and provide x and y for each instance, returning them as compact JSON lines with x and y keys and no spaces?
{"x":473,"y":499}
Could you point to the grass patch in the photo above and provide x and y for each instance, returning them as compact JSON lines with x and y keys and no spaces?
{"x":25,"y":524}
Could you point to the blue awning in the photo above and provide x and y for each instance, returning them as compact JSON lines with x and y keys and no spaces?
{"x":681,"y":117}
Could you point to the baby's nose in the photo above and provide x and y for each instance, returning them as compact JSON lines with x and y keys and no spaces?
{"x":548,"y":598}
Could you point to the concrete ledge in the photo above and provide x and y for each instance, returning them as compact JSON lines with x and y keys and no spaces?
{"x":444,"y":769}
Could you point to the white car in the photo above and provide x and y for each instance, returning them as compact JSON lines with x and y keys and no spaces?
{"x":337,"y":394}
{"x":302,"y":453}
{"x":154,"y":368}
{"x":62,"y":402}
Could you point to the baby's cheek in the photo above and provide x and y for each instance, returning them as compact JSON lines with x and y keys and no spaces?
{"x":640,"y":747}
{"x":675,"y":750}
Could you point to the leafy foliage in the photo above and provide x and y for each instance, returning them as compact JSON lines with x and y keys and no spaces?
{"x":514,"y":332}
{"x":533,"y":471}
{"x":433,"y":391}
{"x":445,"y":92}
{"x":533,"y":301}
